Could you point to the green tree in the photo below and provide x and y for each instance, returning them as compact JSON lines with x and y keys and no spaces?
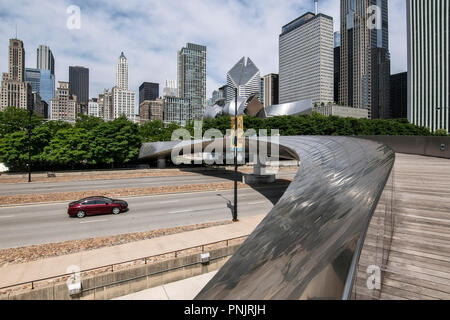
{"x":69,"y":147}
{"x":14,"y":119}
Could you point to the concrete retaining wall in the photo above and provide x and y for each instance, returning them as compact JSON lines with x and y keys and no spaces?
{"x":119,"y":283}
{"x":425,"y":146}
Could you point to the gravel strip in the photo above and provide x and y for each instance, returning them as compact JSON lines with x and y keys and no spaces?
{"x":118,"y":193}
{"x":34,"y":253}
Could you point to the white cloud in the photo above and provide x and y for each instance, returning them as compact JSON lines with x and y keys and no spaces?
{"x":151,"y":32}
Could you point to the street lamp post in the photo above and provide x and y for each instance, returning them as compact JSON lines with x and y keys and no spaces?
{"x":234,"y":142}
{"x":30,"y":128}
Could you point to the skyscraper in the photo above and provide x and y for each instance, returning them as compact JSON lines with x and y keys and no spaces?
{"x":365,"y":57}
{"x":148,"y":91}
{"x":47,"y":86}
{"x":306,"y":59}
{"x":79,"y":83}
{"x":33,"y":76}
{"x":192,"y":77}
{"x":15,"y":90}
{"x":45,"y":59}
{"x":428,"y":63}
{"x":399,"y":95}
{"x":170,"y":89}
{"x":271,"y":90}
{"x":122,"y":73}
{"x":123,"y":100}
{"x":337,"y":65}
{"x":244,"y":76}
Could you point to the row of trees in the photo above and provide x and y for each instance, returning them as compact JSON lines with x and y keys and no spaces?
{"x":94,"y":143}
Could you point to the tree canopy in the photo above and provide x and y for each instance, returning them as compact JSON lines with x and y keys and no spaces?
{"x":94,"y":143}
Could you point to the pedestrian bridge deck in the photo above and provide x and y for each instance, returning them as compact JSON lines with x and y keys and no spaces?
{"x":418,"y":264}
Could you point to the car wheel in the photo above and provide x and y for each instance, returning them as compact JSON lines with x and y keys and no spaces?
{"x":116,"y":210}
{"x":81,"y":214}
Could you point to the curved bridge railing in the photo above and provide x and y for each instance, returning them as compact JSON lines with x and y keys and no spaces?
{"x":308,"y":246}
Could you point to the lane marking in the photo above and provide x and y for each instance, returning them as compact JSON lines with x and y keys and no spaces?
{"x":259,"y":202}
{"x":93,"y":221}
{"x":169,"y":201}
{"x":182,"y":211}
{"x":7,"y":217}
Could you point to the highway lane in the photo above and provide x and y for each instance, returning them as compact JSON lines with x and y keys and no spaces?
{"x":7,"y":189}
{"x":49,"y":223}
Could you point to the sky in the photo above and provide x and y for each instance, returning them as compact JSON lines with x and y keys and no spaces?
{"x":150,"y":32}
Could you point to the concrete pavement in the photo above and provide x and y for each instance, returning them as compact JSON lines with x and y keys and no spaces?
{"x":10,"y":189}
{"x":14,"y":274}
{"x":186,"y":289}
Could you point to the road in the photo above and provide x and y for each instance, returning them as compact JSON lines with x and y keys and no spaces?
{"x":49,"y":223}
{"x":10,"y":189}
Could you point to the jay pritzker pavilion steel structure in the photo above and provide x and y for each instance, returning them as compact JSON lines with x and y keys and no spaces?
{"x":309,"y":245}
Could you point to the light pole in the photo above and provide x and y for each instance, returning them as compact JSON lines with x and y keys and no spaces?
{"x":235,"y":140}
{"x":30,"y":129}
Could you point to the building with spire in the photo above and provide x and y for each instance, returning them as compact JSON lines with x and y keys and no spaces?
{"x":15,"y":91}
{"x":123,"y":100}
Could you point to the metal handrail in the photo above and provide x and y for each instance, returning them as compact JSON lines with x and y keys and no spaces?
{"x":145,"y":259}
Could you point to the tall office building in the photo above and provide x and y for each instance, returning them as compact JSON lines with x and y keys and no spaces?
{"x":148,"y":91}
{"x":122,"y":73}
{"x":399,"y":95}
{"x":428,"y":63}
{"x":270,"y":90}
{"x":45,"y":59}
{"x":365,"y":57}
{"x":105,"y":105}
{"x":15,"y":91}
{"x":192,"y":77}
{"x":244,"y":76}
{"x":79,"y":83}
{"x":124,"y":100}
{"x":33,"y":76}
{"x":306,"y":59}
{"x":47,"y":86}
{"x":45,"y":62}
{"x":337,"y":65}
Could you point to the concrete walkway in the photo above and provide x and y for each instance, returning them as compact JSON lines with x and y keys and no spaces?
{"x":50,"y":267}
{"x":186,"y":289}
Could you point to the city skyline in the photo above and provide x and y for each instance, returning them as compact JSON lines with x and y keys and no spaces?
{"x":152,"y":59}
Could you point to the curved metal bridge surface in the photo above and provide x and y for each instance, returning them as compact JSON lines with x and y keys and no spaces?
{"x":308,"y":246}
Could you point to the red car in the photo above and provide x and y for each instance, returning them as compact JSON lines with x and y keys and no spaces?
{"x":96,"y":205}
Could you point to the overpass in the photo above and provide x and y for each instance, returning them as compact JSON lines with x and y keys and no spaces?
{"x":348,"y":208}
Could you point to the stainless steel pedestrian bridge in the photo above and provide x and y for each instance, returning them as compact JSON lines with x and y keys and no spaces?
{"x":336,"y":216}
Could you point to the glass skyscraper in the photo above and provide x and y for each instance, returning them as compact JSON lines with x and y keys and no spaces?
{"x":33,"y":76}
{"x":79,"y":83}
{"x":364,"y":57}
{"x":47,"y":86}
{"x":192,"y":77}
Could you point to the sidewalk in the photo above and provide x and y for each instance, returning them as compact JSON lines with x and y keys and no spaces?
{"x":186,"y":289}
{"x":46,"y":268}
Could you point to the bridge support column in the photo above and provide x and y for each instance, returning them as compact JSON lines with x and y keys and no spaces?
{"x":261,"y":174}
